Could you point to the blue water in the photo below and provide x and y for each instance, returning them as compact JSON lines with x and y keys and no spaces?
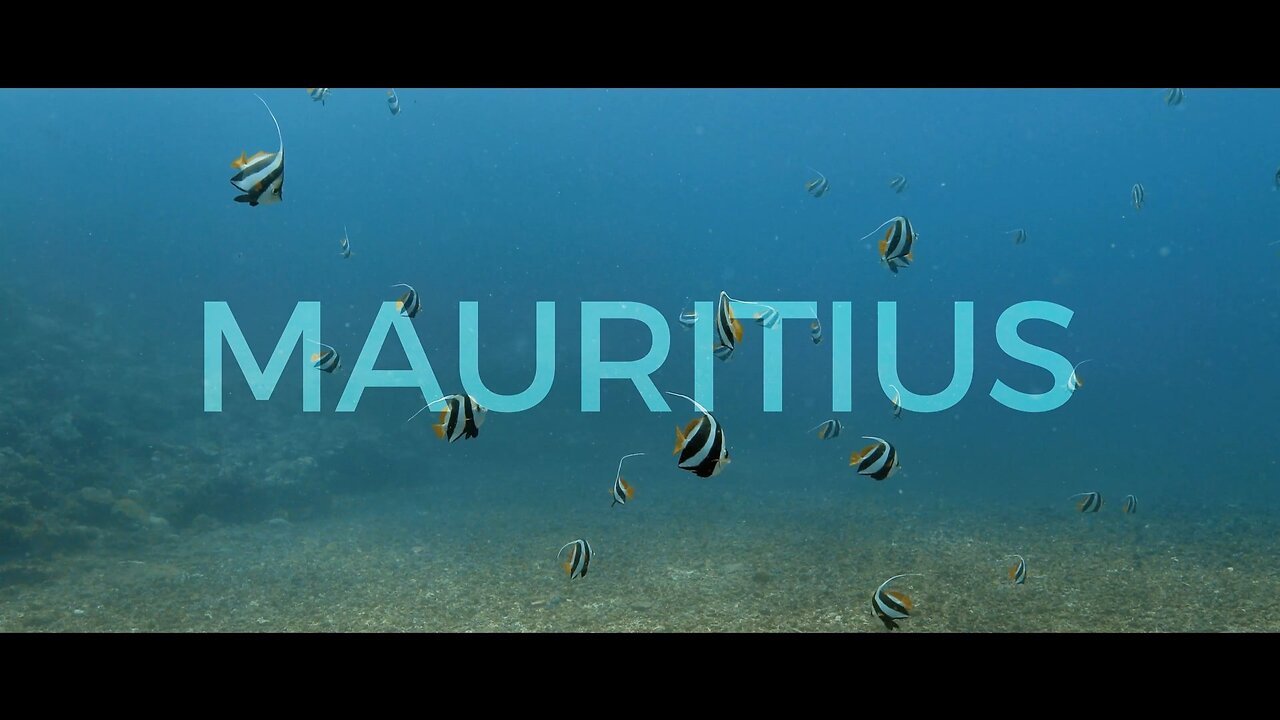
{"x":119,"y":216}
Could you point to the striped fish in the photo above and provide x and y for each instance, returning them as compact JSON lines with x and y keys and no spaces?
{"x":1018,"y":573}
{"x":1130,"y":505}
{"x":898,"y":183}
{"x":1139,"y":196}
{"x":1090,"y":501}
{"x":320,"y":94}
{"x":1019,"y":236}
{"x":897,"y":246}
{"x":817,"y":187}
{"x":261,"y":177}
{"x":815,"y":331}
{"x":461,"y":417}
{"x":688,"y":318}
{"x":408,"y":304}
{"x":345,"y":244}
{"x":622,"y":490}
{"x":1174,"y":97}
{"x":728,"y":329}
{"x":579,"y":559}
{"x":827,"y":430}
{"x":326,"y":359}
{"x":1075,"y":382}
{"x":767,"y":317}
{"x":393,"y":102}
{"x":897,"y":402}
{"x":891,"y":605}
{"x":878,"y":461}
{"x":701,"y":444}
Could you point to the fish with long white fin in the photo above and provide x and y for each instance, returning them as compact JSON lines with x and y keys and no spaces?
{"x":728,"y":329}
{"x":579,"y":559}
{"x":688,"y":318}
{"x":393,"y":102}
{"x":345,"y":244}
{"x":408,"y":304}
{"x":891,"y":605}
{"x":1130,"y":505}
{"x":701,"y":444}
{"x":1075,"y":382}
{"x":261,"y":177}
{"x":878,"y":461}
{"x":461,"y":417}
{"x":815,"y":331}
{"x":326,"y":359}
{"x":897,"y":403}
{"x":622,"y":491}
{"x":818,"y":186}
{"x":1089,"y":501}
{"x":828,"y":429}
{"x":320,"y":94}
{"x":898,"y":183}
{"x":897,"y":247}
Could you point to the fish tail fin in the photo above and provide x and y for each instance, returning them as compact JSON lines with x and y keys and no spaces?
{"x":679,"y":440}
{"x":439,"y":428}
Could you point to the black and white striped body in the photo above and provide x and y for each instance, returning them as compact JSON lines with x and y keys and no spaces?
{"x":704,"y":452}
{"x":261,"y":178}
{"x":887,"y":606}
{"x":817,"y":187}
{"x":829,"y":429}
{"x":767,"y":317}
{"x":622,"y":491}
{"x":579,"y":560}
{"x":393,"y":102}
{"x":896,"y":247}
{"x":728,"y":329}
{"x":1019,"y":571}
{"x":1090,"y":502}
{"x":899,"y":183}
{"x":1130,"y":505}
{"x":688,"y":318}
{"x":878,"y":461}
{"x":1139,"y":196}
{"x":409,"y":304}
{"x":320,"y":94}
{"x":327,"y":360}
{"x":1174,"y":97}
{"x":461,"y":418}
{"x":815,"y":331}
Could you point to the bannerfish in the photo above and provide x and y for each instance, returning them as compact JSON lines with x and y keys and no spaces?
{"x":261,"y":177}
{"x":408,"y":304}
{"x":891,"y":605}
{"x":701,"y":444}
{"x":622,"y":490}
{"x":461,"y":417}
{"x":578,"y":560}
{"x":878,"y":461}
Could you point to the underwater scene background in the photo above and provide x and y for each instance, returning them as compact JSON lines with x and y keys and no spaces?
{"x":125,"y":506}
